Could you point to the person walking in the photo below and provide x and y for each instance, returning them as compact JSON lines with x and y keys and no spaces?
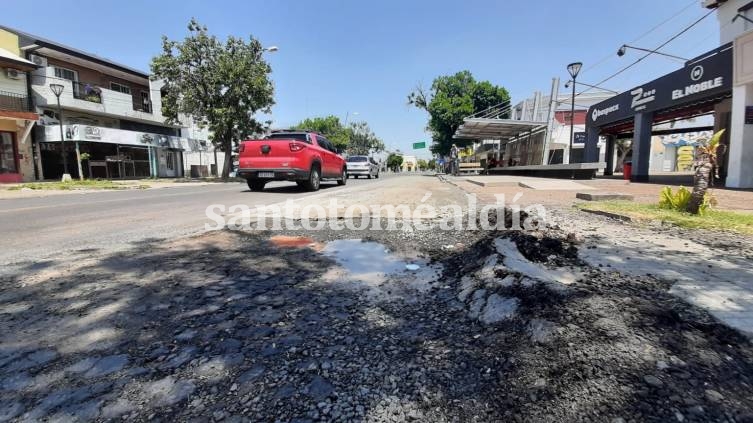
{"x":454,"y":159}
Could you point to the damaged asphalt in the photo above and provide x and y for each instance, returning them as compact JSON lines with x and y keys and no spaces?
{"x":229,"y":326}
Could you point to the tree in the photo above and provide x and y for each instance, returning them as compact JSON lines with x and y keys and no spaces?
{"x":623,"y":148}
{"x":422,"y":164}
{"x":706,"y":171}
{"x":453,"y":98}
{"x":219,"y":85}
{"x":362,"y":140}
{"x":328,"y":126}
{"x":394,"y":161}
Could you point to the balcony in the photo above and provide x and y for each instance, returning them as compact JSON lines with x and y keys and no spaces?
{"x":88,"y":92}
{"x":88,"y":97}
{"x":13,"y":102}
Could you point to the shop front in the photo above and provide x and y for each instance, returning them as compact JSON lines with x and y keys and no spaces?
{"x":110,"y":153}
{"x":702,"y":87}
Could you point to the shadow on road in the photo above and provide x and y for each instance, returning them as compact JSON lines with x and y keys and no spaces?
{"x":228,"y":325}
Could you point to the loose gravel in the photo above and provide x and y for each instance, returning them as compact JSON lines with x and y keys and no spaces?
{"x":229,"y":327}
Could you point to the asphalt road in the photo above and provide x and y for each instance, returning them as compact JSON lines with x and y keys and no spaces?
{"x":36,"y":229}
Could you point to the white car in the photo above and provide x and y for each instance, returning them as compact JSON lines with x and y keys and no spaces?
{"x":362,"y":166}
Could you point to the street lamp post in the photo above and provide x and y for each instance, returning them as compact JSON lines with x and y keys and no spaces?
{"x":57,"y":89}
{"x":573,"y":69}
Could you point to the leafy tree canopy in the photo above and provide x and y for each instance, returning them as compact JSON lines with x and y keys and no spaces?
{"x":357,"y":138}
{"x":450,"y":100}
{"x":220,"y":85}
{"x":329,"y":126}
{"x":394,"y":161}
{"x":362,"y":140}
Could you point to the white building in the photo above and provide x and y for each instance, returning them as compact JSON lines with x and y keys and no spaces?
{"x":111,"y":115}
{"x":736,"y":26}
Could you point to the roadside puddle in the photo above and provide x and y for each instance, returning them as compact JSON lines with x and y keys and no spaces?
{"x":372,"y":265}
{"x":363,"y":258}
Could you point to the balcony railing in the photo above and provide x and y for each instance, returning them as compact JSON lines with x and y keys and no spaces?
{"x":146,"y":108}
{"x":14,"y":102}
{"x":88,"y":92}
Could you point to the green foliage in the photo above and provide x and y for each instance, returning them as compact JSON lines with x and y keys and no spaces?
{"x":450,"y":100}
{"x":710,"y":150}
{"x":220,"y":85}
{"x":329,"y":126}
{"x":718,"y":220}
{"x":85,"y":156}
{"x":678,"y":201}
{"x":422,"y":164}
{"x":357,"y":138}
{"x":362,"y":140}
{"x":394,"y":161}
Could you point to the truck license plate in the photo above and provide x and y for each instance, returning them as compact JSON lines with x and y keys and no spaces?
{"x":266,"y":174}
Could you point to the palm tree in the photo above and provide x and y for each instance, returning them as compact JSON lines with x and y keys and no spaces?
{"x":706,"y":170}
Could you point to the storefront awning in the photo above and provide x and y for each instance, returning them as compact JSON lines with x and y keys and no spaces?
{"x":501,"y":129}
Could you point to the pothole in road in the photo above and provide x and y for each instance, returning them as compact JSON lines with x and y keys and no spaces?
{"x":373,"y":265}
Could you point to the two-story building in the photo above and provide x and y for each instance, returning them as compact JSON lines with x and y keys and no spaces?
{"x":111,"y":118}
{"x":16,"y":115}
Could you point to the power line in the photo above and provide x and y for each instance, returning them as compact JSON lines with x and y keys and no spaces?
{"x":654,"y":28}
{"x":640,"y":59}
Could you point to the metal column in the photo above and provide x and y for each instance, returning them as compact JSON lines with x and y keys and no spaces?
{"x":641,"y":146}
{"x":609,"y":155}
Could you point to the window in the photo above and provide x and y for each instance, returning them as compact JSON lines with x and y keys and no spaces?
{"x":324,"y":143}
{"x":146,"y":103}
{"x":125,"y":89}
{"x":64,"y":73}
{"x":301,"y":136}
{"x":353,"y":159}
{"x":7,"y":153}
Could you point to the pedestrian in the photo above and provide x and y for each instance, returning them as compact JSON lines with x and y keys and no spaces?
{"x":454,"y":157}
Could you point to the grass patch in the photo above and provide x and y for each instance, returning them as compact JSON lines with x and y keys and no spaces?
{"x":723,"y":220}
{"x":71,"y":185}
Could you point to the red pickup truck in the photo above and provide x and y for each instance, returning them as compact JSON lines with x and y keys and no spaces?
{"x":300,"y":156}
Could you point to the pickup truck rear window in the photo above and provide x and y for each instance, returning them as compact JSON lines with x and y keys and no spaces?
{"x":357,"y":159}
{"x":288,"y":136}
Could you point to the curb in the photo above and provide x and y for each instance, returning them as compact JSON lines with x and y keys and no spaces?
{"x":620,"y":217}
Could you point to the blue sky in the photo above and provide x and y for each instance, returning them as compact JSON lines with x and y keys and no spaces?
{"x":339,"y":56}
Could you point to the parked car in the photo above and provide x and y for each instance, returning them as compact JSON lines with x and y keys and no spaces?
{"x":300,"y":156}
{"x":362,"y":166}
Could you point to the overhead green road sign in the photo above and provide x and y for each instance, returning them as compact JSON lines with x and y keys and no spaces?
{"x":419,"y":145}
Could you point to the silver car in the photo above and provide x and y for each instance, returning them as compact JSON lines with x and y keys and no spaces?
{"x":362,"y":166}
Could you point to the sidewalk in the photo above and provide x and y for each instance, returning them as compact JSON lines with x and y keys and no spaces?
{"x":708,"y":269}
{"x":12,"y":191}
{"x":558,"y":194}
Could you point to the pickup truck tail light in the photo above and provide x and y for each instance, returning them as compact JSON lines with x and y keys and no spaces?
{"x":242,"y":147}
{"x":296,"y":146}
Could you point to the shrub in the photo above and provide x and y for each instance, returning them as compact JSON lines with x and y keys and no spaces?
{"x":678,"y":201}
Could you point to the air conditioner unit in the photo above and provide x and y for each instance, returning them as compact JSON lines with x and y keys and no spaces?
{"x":38,"y":60}
{"x":13,"y":73}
